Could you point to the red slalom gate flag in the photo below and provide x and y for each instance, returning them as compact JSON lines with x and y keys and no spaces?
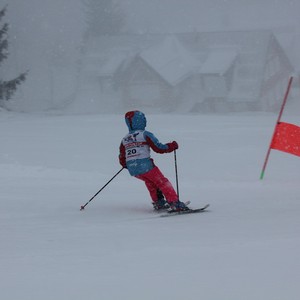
{"x":286,"y":138}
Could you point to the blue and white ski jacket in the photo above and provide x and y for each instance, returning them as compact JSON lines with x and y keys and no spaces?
{"x":135,"y":146}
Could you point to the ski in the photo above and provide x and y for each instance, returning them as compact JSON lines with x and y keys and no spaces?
{"x":185,"y":212}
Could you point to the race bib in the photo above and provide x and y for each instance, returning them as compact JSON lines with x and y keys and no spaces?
{"x":136,"y":146}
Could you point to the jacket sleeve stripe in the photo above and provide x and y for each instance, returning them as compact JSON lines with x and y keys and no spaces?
{"x":154,"y":143}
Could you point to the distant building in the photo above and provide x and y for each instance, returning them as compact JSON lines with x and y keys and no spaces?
{"x":187,"y":72}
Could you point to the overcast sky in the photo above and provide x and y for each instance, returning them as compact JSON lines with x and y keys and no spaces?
{"x":178,"y":15}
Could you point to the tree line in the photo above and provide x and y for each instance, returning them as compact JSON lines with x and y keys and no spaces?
{"x":7,"y":87}
{"x":103,"y":17}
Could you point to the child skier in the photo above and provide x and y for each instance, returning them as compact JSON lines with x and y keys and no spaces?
{"x":135,"y":156}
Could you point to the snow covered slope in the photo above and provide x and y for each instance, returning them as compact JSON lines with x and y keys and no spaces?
{"x":246,"y":246}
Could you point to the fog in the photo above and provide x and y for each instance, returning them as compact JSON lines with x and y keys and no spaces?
{"x":45,"y":36}
{"x":180,"y":15}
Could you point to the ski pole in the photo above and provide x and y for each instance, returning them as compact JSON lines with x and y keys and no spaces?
{"x":83,"y":206}
{"x":176,"y":172}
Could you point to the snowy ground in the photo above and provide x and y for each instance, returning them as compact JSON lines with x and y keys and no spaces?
{"x":245,"y":247}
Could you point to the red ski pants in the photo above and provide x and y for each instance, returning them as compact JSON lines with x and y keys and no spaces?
{"x":154,"y":180}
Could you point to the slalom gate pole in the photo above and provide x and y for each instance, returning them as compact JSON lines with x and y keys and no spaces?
{"x":278,"y":121}
{"x":83,"y":206}
{"x":176,"y":173}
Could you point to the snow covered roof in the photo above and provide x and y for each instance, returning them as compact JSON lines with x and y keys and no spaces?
{"x":175,"y":57}
{"x":218,"y":61}
{"x":171,"y":60}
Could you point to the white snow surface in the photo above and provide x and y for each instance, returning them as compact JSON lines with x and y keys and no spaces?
{"x":246,"y":246}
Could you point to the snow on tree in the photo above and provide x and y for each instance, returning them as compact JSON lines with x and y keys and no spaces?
{"x":7,"y":88}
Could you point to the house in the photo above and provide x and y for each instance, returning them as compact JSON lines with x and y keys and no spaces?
{"x":188,"y":72}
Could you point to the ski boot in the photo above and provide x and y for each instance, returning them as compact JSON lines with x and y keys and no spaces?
{"x":161,"y":203}
{"x":178,"y":206}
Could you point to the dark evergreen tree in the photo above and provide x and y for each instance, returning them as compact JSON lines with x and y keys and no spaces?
{"x":104,"y":17}
{"x":7,"y":88}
